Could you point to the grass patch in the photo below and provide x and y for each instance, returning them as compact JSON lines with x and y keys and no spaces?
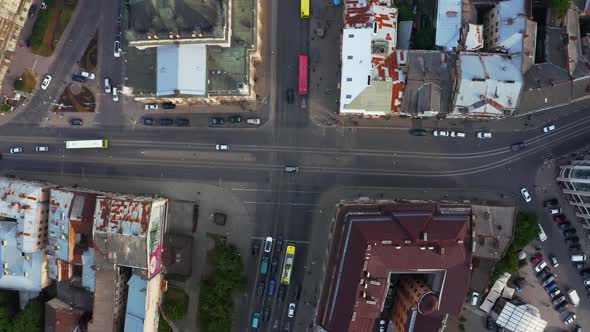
{"x":50,"y":25}
{"x":26,"y":82}
{"x":5,"y":108}
{"x":225,"y":277}
{"x":175,"y":303}
{"x":175,"y":277}
{"x":526,"y":230}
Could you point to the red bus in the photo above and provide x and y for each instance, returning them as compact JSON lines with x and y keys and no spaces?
{"x":303,"y":75}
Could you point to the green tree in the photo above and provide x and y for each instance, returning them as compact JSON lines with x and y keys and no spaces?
{"x":561,"y":6}
{"x":19,"y":84}
{"x":424,"y":39}
{"x":5,"y":319}
{"x":31,"y":319}
{"x":404,"y":12}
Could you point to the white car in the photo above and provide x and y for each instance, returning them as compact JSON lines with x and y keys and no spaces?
{"x":115,"y":94}
{"x":570,"y":318}
{"x":150,"y":106}
{"x":484,"y":134}
{"x":268,"y":244}
{"x":16,"y":149}
{"x":107,"y":85}
{"x":549,"y":128}
{"x":88,"y":74}
{"x":46,"y":82}
{"x":525,"y":195}
{"x":540,"y":266}
{"x":41,"y":148}
{"x":254,"y":121}
{"x":291,"y":312}
{"x":221,"y":147}
{"x":474,"y":298}
{"x":458,"y":134}
{"x":117,"y":49}
{"x":440,"y":133}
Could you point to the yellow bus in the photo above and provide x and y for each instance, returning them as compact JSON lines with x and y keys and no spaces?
{"x":288,"y":264}
{"x":304,"y":8}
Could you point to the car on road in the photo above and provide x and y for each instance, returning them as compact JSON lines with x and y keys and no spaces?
{"x":271,"y":287}
{"x":554,"y":292}
{"x":274,"y":264}
{"x":564,"y":225}
{"x":554,"y":261}
{"x":165,"y":122}
{"x":255,"y":247}
{"x":266,"y":314}
{"x":88,"y":74}
{"x":442,"y":133}
{"x":253,"y":121}
{"x":46,"y":81}
{"x":264,"y":265}
{"x":570,"y":318}
{"x":490,"y":323}
{"x":42,"y":148}
{"x":78,"y":78}
{"x":279,"y":244}
{"x":282,"y":291}
{"x":549,"y":128}
{"x":216,"y":121}
{"x":260,"y":288}
{"x":152,"y":106}
{"x":561,"y":307}
{"x":558,"y":300}
{"x":255,"y":320}
{"x":268,"y":244}
{"x":107,"y":85}
{"x":518,"y":146}
{"x":182,"y":122}
{"x":149,"y":121}
{"x":290,"y":96}
{"x":540,"y":266}
{"x":484,"y":134}
{"x":115,"y":94}
{"x":291,"y":169}
{"x":291,"y":312}
{"x":76,"y":122}
{"x":168,"y":105}
{"x":234,"y":119}
{"x":32,"y":10}
{"x":117,"y":49}
{"x":475,"y":298}
{"x":221,"y":147}
{"x":559,"y":218}
{"x":297,"y":291}
{"x":418,"y":132}
{"x":569,"y":232}
{"x":525,"y":195}
{"x":16,"y":149}
{"x":551,"y":202}
{"x":458,"y":134}
{"x":537,"y":258}
{"x":555,"y":210}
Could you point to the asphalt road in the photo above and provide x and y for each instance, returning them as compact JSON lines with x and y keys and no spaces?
{"x":327,"y":157}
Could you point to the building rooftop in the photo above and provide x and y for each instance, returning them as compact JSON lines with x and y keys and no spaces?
{"x":182,"y":70}
{"x":448,"y":24}
{"x":136,"y":304}
{"x":177,"y":254}
{"x":23,"y":271}
{"x":523,"y":317}
{"x":61,"y":317}
{"x":474,"y":38}
{"x":512,"y":24}
{"x":379,"y":240}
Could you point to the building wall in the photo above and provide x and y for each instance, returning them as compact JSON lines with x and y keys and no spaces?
{"x":13,"y":16}
{"x":574,"y":180}
{"x":409,"y":291}
{"x":491,"y":22}
{"x":153,"y":296}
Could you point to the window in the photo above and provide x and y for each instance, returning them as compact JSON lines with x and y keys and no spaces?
{"x":349,"y":79}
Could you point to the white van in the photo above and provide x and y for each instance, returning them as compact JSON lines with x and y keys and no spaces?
{"x":578,"y":258}
{"x":573,"y":297}
{"x":542,"y":235}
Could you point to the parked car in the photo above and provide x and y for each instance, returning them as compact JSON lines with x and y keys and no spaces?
{"x":291,"y":169}
{"x":572,"y":240}
{"x":279,"y":244}
{"x":291,"y":312}
{"x":490,"y":323}
{"x":107,"y":85}
{"x":254,"y":121}
{"x":537,"y":258}
{"x":168,"y":105}
{"x":525,"y":195}
{"x":382,"y":325}
{"x":149,"y":121}
{"x":274,"y":265}
{"x":575,"y":247}
{"x":443,"y":133}
{"x":260,"y":288}
{"x":549,"y":128}
{"x":484,"y":134}
{"x":115,"y":94}
{"x":42,"y":148}
{"x":290,"y":96}
{"x":281,"y":294}
{"x":255,"y":320}
{"x":554,"y":292}
{"x":297,"y":291}
{"x":570,"y":318}
{"x":216,"y":121}
{"x":551,"y":202}
{"x":554,"y":261}
{"x":32,"y":10}
{"x":221,"y":147}
{"x":561,"y":307}
{"x":234,"y":119}
{"x":549,"y":280}
{"x":266,"y":313}
{"x":88,"y":74}
{"x":550,"y":287}
{"x":165,"y":122}
{"x":569,"y":232}
{"x":475,"y":298}
{"x":271,"y":287}
{"x":544,"y":273}
{"x":564,"y":225}
{"x":585,"y":273}
{"x":418,"y":132}
{"x":586,"y":281}
{"x":579,"y":266}
{"x":182,"y":122}
{"x":555,"y":210}
{"x":457,"y":134}
{"x":78,"y":78}
{"x":255,"y":247}
{"x":117,"y":49}
{"x":268,"y":244}
{"x":46,"y":81}
{"x":558,"y":300}
{"x":76,"y":122}
{"x":518,"y":146}
{"x":540,"y":266}
{"x":150,"y":106}
{"x":559,"y":217}
{"x":16,"y":149}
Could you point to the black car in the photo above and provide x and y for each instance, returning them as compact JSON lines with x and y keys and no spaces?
{"x":78,"y":78}
{"x":575,"y":247}
{"x":518,"y":146}
{"x":260,"y":288}
{"x":182,"y":122}
{"x":216,"y":121}
{"x":544,"y":273}
{"x":572,"y":240}
{"x":32,"y":10}
{"x":490,"y":323}
{"x":165,"y":122}
{"x":266,"y":314}
{"x":297,"y":291}
{"x":569,"y":232}
{"x":282,"y":291}
{"x":579,"y":266}
{"x":290,"y":96}
{"x":558,"y":300}
{"x":418,"y":132}
{"x":234,"y":119}
{"x":585,"y":272}
{"x":279,"y":244}
{"x":148,"y":121}
{"x":551,"y":202}
{"x":274,"y":265}
{"x":168,"y":105}
{"x":561,"y":307}
{"x":564,"y":225}
{"x":76,"y":122}
{"x":255,"y":247}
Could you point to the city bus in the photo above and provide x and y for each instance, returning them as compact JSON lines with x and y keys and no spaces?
{"x":88,"y":144}
{"x":288,"y":264}
{"x":304,"y":8}
{"x":303,"y":75}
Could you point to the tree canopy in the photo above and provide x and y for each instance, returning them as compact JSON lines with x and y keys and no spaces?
{"x":561,"y":6}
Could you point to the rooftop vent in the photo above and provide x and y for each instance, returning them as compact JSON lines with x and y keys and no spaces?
{"x":386,"y":242}
{"x":422,"y":248}
{"x":459,"y":241}
{"x":375,"y":283}
{"x":372,"y":302}
{"x":397,"y":246}
{"x":407,"y":242}
{"x":424,"y":236}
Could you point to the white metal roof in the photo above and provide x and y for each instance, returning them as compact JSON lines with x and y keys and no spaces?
{"x":474,"y":40}
{"x":356,"y":64}
{"x":448,"y":23}
{"x":489,"y":83}
{"x":494,"y":293}
{"x":521,"y":318}
{"x":511,"y":25}
{"x":182,"y":68}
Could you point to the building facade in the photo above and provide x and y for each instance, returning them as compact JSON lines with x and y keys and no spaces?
{"x":574,"y":180}
{"x":13,"y":16}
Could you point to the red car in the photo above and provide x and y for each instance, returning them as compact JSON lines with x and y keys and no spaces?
{"x":559,"y":218}
{"x":537,"y":259}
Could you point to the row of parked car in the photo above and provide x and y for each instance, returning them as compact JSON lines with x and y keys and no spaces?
{"x":232,"y":119}
{"x":180,"y":122}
